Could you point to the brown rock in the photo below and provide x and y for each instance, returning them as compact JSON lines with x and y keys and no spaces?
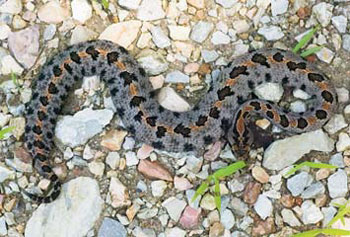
{"x":113,"y":139}
{"x":204,"y":69}
{"x":216,"y":230}
{"x":154,"y":170}
{"x":263,"y":227}
{"x":303,"y":12}
{"x":251,"y":192}
{"x":287,"y":200}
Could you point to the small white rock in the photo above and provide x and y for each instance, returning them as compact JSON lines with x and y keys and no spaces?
{"x":113,"y":159}
{"x":4,"y":31}
{"x":279,"y":7}
{"x":201,"y":31}
{"x":336,"y":123}
{"x":289,"y":217}
{"x":129,"y":4}
{"x":323,"y":12}
{"x":158,"y":187}
{"x":271,"y":33}
{"x":311,"y":214}
{"x":340,"y":22}
{"x":150,"y":10}
{"x":338,"y":184}
{"x":209,"y":55}
{"x":263,"y":207}
{"x":177,"y":77}
{"x":269,"y":91}
{"x":343,"y":142}
{"x":174,"y":207}
{"x":220,"y":38}
{"x":169,"y":99}
{"x":82,"y":10}
{"x":179,"y":32}
{"x":159,"y":37}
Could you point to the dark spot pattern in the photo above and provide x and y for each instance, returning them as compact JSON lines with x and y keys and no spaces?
{"x":284,"y":121}
{"x":43,"y":100}
{"x":75,"y":57}
{"x":128,"y":77}
{"x":293,"y":65}
{"x":302,"y":123}
{"x":321,"y":114}
{"x":160,"y":131}
{"x":152,"y":120}
{"x":92,"y":52}
{"x":239,"y":70}
{"x":188,"y":147}
{"x":158,"y":145}
{"x":256,"y":105}
{"x":52,"y":89}
{"x":214,"y":113}
{"x":270,"y":114}
{"x":137,"y":100}
{"x":57,"y":71}
{"x":278,"y":57}
{"x":327,"y":96}
{"x":138,"y":116}
{"x":261,"y":59}
{"x":68,"y":68}
{"x":224,"y":92}
{"x":208,"y":140}
{"x":112,"y":57}
{"x":315,"y":77}
{"x":184,"y":131}
{"x":202,"y":119}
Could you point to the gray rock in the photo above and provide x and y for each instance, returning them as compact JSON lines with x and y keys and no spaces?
{"x":346,"y":42}
{"x":313,"y":190}
{"x":24,"y":45}
{"x":76,"y":209}
{"x":279,"y":7}
{"x":340,"y":23}
{"x":3,"y":227}
{"x":226,"y":3}
{"x":129,"y":4}
{"x":49,"y":31}
{"x":201,"y":31}
{"x":311,"y":214}
{"x":152,"y":62}
{"x":209,"y":55}
{"x":177,"y":77}
{"x":336,"y":123}
{"x":174,"y":207}
{"x":315,"y":140}
{"x":159,"y":37}
{"x":78,"y":129}
{"x":323,"y":12}
{"x":150,"y":10}
{"x":329,"y":213}
{"x":227,"y":219}
{"x":239,"y":207}
{"x":337,"y":160}
{"x":269,"y":91}
{"x":220,"y":38}
{"x":298,"y":183}
{"x":289,"y":217}
{"x":263,"y":206}
{"x":271,"y":33}
{"x":6,"y":173}
{"x":111,"y":228}
{"x":338,"y":184}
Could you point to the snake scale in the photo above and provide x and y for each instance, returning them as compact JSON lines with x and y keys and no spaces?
{"x":222,"y":113}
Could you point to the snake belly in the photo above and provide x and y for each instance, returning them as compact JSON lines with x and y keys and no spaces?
{"x":222,"y":112}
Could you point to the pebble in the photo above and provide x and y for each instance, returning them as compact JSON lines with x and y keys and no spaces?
{"x":329,"y":213}
{"x":343,"y":142}
{"x":340,"y":23}
{"x":279,"y":7}
{"x":338,"y":184}
{"x":182,"y":183}
{"x":311,"y":214}
{"x":119,"y":196}
{"x":113,"y":159}
{"x":158,"y":187}
{"x":175,"y":232}
{"x":170,"y":100}
{"x":336,"y":123}
{"x":9,"y":65}
{"x":147,"y":213}
{"x":323,"y":12}
{"x":49,"y":32}
{"x":298,"y":106}
{"x":241,"y":26}
{"x":81,"y":10}
{"x":5,"y":30}
{"x":289,"y":217}
{"x":82,"y":34}
{"x":3,"y":228}
{"x":326,"y":55}
{"x":152,"y":62}
{"x":298,"y":183}
{"x":227,"y":219}
{"x":150,"y":10}
{"x":190,"y":217}
{"x":220,"y":38}
{"x":77,"y":213}
{"x":11,"y":6}
{"x":346,"y":42}
{"x":226,"y":3}
{"x":174,"y":207}
{"x":97,"y":168}
{"x":209,"y":55}
{"x":131,"y":158}
{"x":271,"y":33}
{"x":154,"y":170}
{"x":337,"y":160}
{"x":179,"y":32}
{"x":306,"y":142}
{"x":217,"y":229}
{"x":264,"y":227}
{"x":260,"y":174}
{"x":177,"y":77}
{"x":343,"y":94}
{"x":197,"y":3}
{"x":129,"y":4}
{"x":6,"y":174}
{"x":78,"y":129}
{"x":314,"y":190}
{"x":201,"y":31}
{"x":122,"y":33}
{"x":251,"y":192}
{"x":263,"y":207}
{"x":160,"y":39}
{"x":45,"y":12}
{"x":269,"y":91}
{"x":208,"y":202}
{"x":113,"y":139}
{"x":24,"y":45}
{"x":111,"y":227}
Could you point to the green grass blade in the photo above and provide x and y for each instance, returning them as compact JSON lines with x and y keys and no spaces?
{"x":305,"y":39}
{"x":201,"y":190}
{"x":4,"y":131}
{"x":343,"y":210}
{"x":105,"y":3}
{"x":228,"y":170}
{"x":311,"y":51}
{"x":217,"y":196}
{"x":311,"y":233}
{"x":335,"y":232}
{"x":311,"y":165}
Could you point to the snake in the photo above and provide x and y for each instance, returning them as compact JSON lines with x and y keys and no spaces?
{"x":222,"y":113}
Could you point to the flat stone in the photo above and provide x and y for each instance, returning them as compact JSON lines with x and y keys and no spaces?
{"x":169,"y":99}
{"x":313,"y":191}
{"x":158,"y":187}
{"x":6,"y":174}
{"x":289,"y":217}
{"x":279,"y":7}
{"x":111,"y":227}
{"x":220,"y":38}
{"x":336,"y":123}
{"x":271,"y":33}
{"x":209,"y":55}
{"x":311,"y":214}
{"x":175,"y":232}
{"x":197,"y":3}
{"x":326,"y":55}
{"x":227,"y":219}
{"x":152,"y":62}
{"x":190,"y":217}
{"x":4,"y":31}
{"x":3,"y":227}
{"x":340,"y":23}
{"x":9,"y":65}
{"x":160,"y":39}
{"x":208,"y":202}
{"x":129,"y":4}
{"x":343,"y":142}
{"x":269,"y":91}
{"x":154,"y":170}
{"x":78,"y":129}
{"x":119,"y":195}
{"x":241,"y":26}
{"x":226,"y":3}
{"x":298,"y":183}
{"x":315,"y":140}
{"x":201,"y":31}
{"x":77,"y":209}
{"x":323,"y":12}
{"x":11,"y":6}
{"x":338,"y":184}
{"x":263,"y":207}
{"x":346,"y":42}
{"x":123,"y":33}
{"x":177,"y":77}
{"x":24,"y":45}
{"x":82,"y":10}
{"x":53,"y":12}
{"x":179,"y":32}
{"x":174,"y":207}
{"x":113,"y":139}
{"x":150,"y":10}
{"x":337,"y":160}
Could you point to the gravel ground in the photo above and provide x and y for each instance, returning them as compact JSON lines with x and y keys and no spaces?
{"x":116,"y":187}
